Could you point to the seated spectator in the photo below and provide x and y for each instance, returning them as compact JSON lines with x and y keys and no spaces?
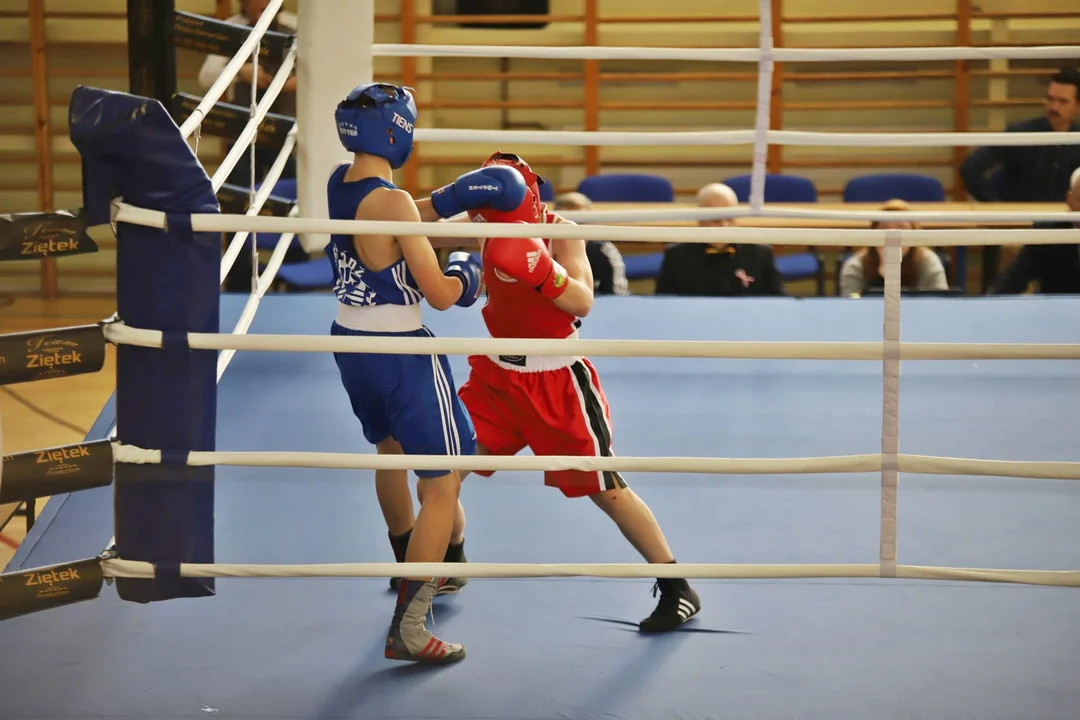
{"x":920,"y":269}
{"x":609,"y":272}
{"x":718,"y":269}
{"x":1056,"y":268}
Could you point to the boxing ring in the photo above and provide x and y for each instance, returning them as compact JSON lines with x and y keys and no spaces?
{"x":866,"y":545}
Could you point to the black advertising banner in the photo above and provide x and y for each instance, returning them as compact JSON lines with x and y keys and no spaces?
{"x":30,"y":591}
{"x":55,"y":471}
{"x":234,"y":201}
{"x":228,"y":121}
{"x":210,"y":36}
{"x":35,"y":235}
{"x":45,"y":354}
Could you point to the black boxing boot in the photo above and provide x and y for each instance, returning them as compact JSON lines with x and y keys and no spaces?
{"x":678,"y":603}
{"x":454,"y":553}
{"x":400,"y":544}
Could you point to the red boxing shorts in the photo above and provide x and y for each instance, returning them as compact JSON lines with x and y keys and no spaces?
{"x":560,"y":411}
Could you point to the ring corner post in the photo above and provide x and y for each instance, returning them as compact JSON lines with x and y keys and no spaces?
{"x":167,"y":280}
{"x":337,"y":34}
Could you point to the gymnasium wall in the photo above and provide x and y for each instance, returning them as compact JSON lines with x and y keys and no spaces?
{"x":92,"y":51}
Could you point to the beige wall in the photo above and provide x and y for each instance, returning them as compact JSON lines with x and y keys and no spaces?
{"x":102,"y":56}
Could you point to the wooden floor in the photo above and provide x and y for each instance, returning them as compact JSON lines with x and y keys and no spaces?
{"x":50,"y":412}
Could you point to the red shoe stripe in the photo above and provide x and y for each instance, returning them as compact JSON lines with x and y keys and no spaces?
{"x":427,"y":648}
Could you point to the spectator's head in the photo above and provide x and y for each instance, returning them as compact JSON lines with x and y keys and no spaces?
{"x":253,"y":9}
{"x":1061,"y":98}
{"x":1072,"y":198}
{"x":716,"y":195}
{"x":573,"y":201}
{"x":898,"y":224}
{"x":874,"y":257}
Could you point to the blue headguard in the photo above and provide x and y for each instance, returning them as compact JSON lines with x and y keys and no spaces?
{"x":378,"y":119}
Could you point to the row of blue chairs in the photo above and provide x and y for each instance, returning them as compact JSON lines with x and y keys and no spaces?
{"x":779,"y":188}
{"x":627,"y":187}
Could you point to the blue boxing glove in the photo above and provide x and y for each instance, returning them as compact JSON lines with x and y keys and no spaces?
{"x":464,"y":267}
{"x":499,"y":187}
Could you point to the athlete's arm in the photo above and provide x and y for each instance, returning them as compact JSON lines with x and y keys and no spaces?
{"x":578,"y":297}
{"x":440,"y":243}
{"x":441,"y":291}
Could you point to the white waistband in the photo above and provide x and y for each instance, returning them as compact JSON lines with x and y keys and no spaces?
{"x":380,"y":318}
{"x":535,"y":363}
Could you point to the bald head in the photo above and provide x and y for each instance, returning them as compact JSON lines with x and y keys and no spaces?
{"x":1074,"y":182}
{"x":1072,"y":198}
{"x":716,"y":195}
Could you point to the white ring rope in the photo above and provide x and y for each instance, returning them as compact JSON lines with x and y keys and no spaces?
{"x":1055,"y":578}
{"x":214,"y":222}
{"x":838,"y":464}
{"x":687,"y":138}
{"x":764,"y":108}
{"x":687,"y":215}
{"x":251,"y":129}
{"x":266,"y":279}
{"x":121,"y":334}
{"x":229,"y":73}
{"x":747,"y":55}
{"x":888,"y":461}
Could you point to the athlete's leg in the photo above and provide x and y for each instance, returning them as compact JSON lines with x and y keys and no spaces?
{"x":636,"y":522}
{"x":584,"y":429}
{"x":409,"y":638}
{"x":396,"y":501}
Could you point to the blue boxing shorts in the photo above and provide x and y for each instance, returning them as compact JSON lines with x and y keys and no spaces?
{"x":410,"y":398}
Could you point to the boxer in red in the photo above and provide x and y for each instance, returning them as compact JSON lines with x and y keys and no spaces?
{"x":555,"y":405}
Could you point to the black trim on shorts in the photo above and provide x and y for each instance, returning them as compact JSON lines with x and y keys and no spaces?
{"x":594,"y":411}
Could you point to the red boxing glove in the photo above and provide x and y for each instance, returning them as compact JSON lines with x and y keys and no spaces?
{"x":527,"y":260}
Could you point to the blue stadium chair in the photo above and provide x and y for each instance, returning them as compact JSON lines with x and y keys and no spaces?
{"x":800,"y":265}
{"x":285,"y":189}
{"x":629,"y":187}
{"x":310,"y":275}
{"x":887,"y":186}
{"x":547,"y":191}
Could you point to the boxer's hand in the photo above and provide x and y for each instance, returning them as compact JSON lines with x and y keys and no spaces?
{"x":528,"y":261}
{"x":463,"y":266}
{"x":499,"y":187}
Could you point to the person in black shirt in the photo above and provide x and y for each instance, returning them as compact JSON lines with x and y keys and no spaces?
{"x":718,"y":269}
{"x":1031,"y":173}
{"x":608,"y":269}
{"x":1056,"y":268}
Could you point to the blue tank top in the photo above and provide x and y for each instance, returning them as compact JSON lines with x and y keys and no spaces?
{"x":355,"y":284}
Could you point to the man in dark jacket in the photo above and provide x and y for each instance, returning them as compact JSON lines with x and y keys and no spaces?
{"x":1056,"y":268}
{"x":1028,"y":173}
{"x":718,"y":269}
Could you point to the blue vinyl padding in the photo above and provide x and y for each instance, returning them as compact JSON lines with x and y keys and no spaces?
{"x":566,"y":648}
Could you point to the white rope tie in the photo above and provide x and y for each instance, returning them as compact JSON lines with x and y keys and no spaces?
{"x":890,"y":406}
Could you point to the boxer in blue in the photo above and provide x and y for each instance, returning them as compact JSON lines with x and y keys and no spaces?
{"x":405,"y":403}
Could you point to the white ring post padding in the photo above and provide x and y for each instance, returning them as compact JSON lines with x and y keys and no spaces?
{"x":868,"y":463}
{"x":687,"y":138}
{"x":120,"y":334}
{"x":272,"y":176}
{"x":117,"y":568}
{"x":747,"y":55}
{"x":248,"y":134}
{"x":215,"y":222}
{"x":231,"y":69}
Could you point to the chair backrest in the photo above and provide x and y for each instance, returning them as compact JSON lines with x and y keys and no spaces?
{"x":778,"y":188}
{"x":887,"y":186}
{"x":547,"y":191}
{"x":284,"y":189}
{"x":627,"y":187}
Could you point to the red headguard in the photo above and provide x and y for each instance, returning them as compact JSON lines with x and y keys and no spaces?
{"x":530,"y":210}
